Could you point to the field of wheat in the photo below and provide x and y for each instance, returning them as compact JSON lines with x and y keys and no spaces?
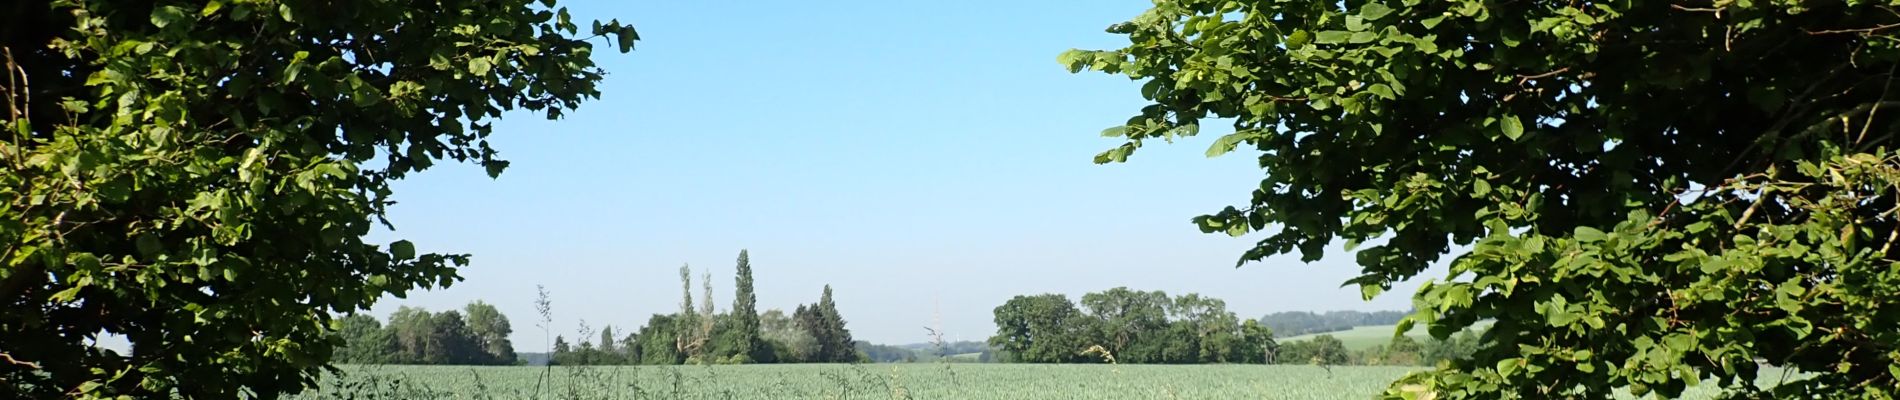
{"x":867,"y":381}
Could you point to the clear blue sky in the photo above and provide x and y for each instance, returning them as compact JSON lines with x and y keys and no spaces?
{"x":915,"y":156}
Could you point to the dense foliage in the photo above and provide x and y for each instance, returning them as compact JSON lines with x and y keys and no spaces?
{"x":416,"y":336}
{"x":196,"y":177}
{"x":1293,"y":323}
{"x":477,"y":335}
{"x":814,"y":333}
{"x":1654,"y":194}
{"x":1127,"y":326}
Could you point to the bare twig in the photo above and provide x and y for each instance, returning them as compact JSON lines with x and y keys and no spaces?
{"x":10,"y":360}
{"x":1751,"y":208}
{"x":1885,"y":89}
{"x":1717,"y":11}
{"x":1861,"y":30}
{"x":1527,"y":78}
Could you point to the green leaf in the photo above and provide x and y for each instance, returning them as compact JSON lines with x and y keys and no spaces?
{"x":1074,"y":59}
{"x":1364,"y":37}
{"x":479,"y":66}
{"x":1587,"y":234}
{"x":1383,"y":91}
{"x":1225,"y":144}
{"x":167,"y":15}
{"x":1299,"y":38}
{"x":1512,"y":128}
{"x":1374,"y":11}
{"x":1334,"y":37}
{"x":1508,"y":366}
{"x":402,"y":250}
{"x":495,"y":168}
{"x":211,"y":7}
{"x":1433,"y":21}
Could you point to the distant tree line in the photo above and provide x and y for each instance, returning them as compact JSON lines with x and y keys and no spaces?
{"x":956,"y":352}
{"x":1403,"y":350}
{"x":1295,"y":323}
{"x":743,"y":335}
{"x":476,"y":336}
{"x":1141,"y":327}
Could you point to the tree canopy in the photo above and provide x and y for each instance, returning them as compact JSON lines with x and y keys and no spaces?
{"x":1133,"y":326}
{"x":813,"y":333}
{"x":417,"y":336}
{"x":1653,"y":194}
{"x":197,"y":177}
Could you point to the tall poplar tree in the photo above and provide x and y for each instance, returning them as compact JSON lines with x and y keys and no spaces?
{"x":745,"y":313}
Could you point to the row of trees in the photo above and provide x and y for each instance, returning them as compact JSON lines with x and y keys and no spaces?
{"x":702,"y":335}
{"x":1128,"y":326}
{"x":958,"y":352}
{"x":1401,"y":350}
{"x":477,"y":335}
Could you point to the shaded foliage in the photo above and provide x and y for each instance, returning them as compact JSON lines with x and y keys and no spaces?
{"x":1654,"y":194}
{"x":198,"y":177}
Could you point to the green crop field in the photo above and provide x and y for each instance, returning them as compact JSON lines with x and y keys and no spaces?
{"x":868,"y":381}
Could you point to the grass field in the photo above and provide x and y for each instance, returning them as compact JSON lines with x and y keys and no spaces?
{"x":868,"y":381}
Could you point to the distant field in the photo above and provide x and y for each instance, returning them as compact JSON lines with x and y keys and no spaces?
{"x":1363,"y":337}
{"x":868,"y":381}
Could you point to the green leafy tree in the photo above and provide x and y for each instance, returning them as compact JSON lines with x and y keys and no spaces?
{"x":451,"y":342}
{"x":607,"y":339}
{"x":1257,"y":344}
{"x":1129,"y":323}
{"x":1322,"y":350}
{"x":413,"y":330}
{"x":745,"y":312}
{"x":834,"y":339}
{"x":659,"y":342}
{"x":364,"y":341}
{"x":789,"y":341}
{"x":197,"y":177}
{"x":1654,"y":195}
{"x":561,"y":351}
{"x":1043,"y":328}
{"x":1455,"y":347}
{"x":687,"y":321}
{"x":491,"y":330}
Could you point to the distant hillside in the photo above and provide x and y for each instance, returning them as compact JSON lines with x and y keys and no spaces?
{"x":1296,"y":323}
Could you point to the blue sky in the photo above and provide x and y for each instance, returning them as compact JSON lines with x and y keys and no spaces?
{"x":925,"y":159}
